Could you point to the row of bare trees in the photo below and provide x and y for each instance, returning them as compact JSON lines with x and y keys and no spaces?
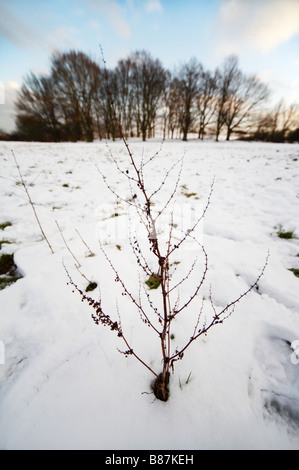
{"x":72,"y":102}
{"x":278,"y":125}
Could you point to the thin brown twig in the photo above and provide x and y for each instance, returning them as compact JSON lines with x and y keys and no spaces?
{"x":192,"y":229}
{"x":82,"y":274}
{"x":30,"y":201}
{"x":218,"y":318}
{"x":101,"y":317}
{"x":118,"y":279}
{"x":84,"y":242}
{"x":67,"y":246}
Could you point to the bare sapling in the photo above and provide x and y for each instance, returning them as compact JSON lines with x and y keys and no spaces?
{"x":159,"y":275}
{"x":164,"y":300}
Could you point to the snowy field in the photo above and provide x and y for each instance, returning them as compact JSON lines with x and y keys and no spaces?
{"x":64,"y":385}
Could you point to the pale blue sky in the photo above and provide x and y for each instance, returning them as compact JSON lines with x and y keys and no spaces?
{"x":263,"y":33}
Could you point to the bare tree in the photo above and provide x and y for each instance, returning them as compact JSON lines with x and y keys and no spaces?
{"x":107,"y":91}
{"x":238,"y":96}
{"x":165,"y":104}
{"x":76,"y":79}
{"x":245,"y":94}
{"x":37,"y":109}
{"x":173,"y":107}
{"x":225,"y":76}
{"x":276,"y":124}
{"x":125,"y":95}
{"x":148,"y":78}
{"x":206,"y":101}
{"x":188,"y":87}
{"x":289,"y":119}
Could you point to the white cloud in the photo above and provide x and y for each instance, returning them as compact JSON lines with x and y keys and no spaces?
{"x":112,"y":10}
{"x":262,"y":24}
{"x":264,"y":75}
{"x":64,"y":37}
{"x":16,"y":31}
{"x":12,"y":85}
{"x":153,"y":5}
{"x":293,"y":93}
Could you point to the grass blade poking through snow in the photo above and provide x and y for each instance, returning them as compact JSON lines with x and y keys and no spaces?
{"x":31,"y":202}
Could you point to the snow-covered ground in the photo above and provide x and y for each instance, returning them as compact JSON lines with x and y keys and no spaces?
{"x":64,"y":385}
